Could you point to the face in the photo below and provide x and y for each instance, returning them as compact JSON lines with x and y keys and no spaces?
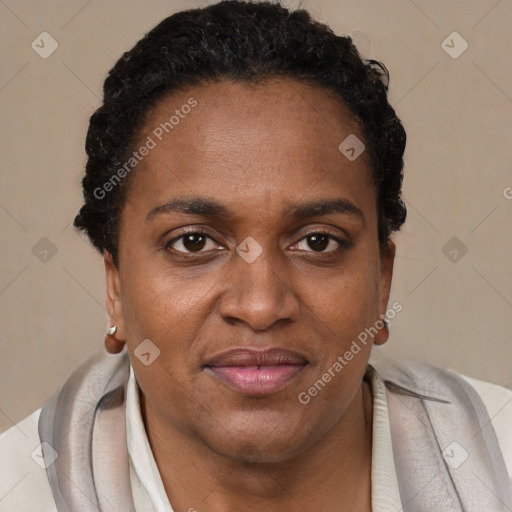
{"x":249,"y":256}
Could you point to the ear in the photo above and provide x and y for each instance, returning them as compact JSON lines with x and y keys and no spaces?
{"x":386,"y":276}
{"x":114,"y":343}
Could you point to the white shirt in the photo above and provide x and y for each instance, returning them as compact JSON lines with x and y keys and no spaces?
{"x":24,"y":484}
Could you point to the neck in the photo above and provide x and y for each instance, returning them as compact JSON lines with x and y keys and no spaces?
{"x":333,"y":474}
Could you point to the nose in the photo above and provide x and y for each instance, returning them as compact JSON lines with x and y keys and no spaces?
{"x":259,"y":294}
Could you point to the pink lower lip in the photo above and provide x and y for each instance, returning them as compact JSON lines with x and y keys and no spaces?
{"x":257,"y":381}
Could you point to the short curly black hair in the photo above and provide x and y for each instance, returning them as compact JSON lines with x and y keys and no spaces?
{"x":236,"y":41}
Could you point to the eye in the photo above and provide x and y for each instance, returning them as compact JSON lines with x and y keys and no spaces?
{"x":199,"y":241}
{"x":319,"y":241}
{"x":194,"y":241}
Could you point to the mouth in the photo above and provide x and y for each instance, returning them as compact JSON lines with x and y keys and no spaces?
{"x":257,"y":372}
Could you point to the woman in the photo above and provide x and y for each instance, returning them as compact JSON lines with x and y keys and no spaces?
{"x":243,"y":183}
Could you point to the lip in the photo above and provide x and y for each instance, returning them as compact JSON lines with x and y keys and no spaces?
{"x":257,"y":372}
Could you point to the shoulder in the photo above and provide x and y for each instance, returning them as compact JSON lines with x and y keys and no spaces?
{"x":24,"y":484}
{"x":428,"y":381}
{"x":498,"y":402}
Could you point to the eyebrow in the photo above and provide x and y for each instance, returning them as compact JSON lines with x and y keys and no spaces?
{"x":209,"y":208}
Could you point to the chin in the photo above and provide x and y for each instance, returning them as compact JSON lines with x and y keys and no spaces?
{"x":258,"y":446}
{"x":252,"y":452}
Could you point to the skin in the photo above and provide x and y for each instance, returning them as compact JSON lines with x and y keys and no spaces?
{"x":257,"y":150}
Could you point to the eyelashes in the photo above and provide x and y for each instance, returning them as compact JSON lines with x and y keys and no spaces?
{"x":194,"y":242}
{"x":188,"y":238}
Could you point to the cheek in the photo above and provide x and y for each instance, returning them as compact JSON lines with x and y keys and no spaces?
{"x":350,"y":298}
{"x":344,"y":312}
{"x":157,"y":303}
{"x":169,"y":314}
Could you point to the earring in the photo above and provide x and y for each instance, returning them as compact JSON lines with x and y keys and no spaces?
{"x":112,"y":344}
{"x":112,"y":330}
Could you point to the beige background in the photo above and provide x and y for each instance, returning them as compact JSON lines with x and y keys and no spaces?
{"x":457,"y":113}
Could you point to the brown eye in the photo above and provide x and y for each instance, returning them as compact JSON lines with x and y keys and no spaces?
{"x":194,"y":242}
{"x":319,"y":242}
{"x":190,"y":242}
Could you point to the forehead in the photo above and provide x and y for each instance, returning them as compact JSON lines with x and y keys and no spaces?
{"x":265,"y":141}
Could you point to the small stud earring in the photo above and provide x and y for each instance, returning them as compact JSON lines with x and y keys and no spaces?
{"x":112,"y":344}
{"x":112,"y":330}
